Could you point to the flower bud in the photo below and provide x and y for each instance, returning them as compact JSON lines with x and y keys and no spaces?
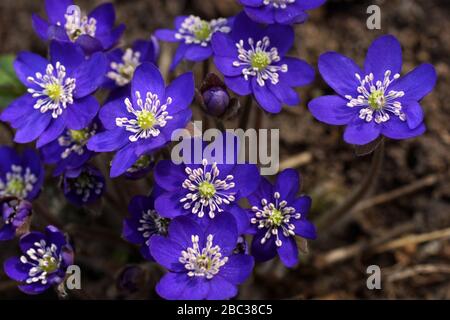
{"x":216,"y":101}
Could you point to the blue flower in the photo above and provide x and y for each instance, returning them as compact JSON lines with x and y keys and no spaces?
{"x":200,"y":260}
{"x":93,"y":32}
{"x":207,"y":189}
{"x":69,"y":151}
{"x":84,"y":185}
{"x":194,"y":35}
{"x":20,"y":176}
{"x":252,"y":59}
{"x":141,"y":167}
{"x":123,"y":63}
{"x":276,"y":216}
{"x":377,"y":100}
{"x":144,"y":123}
{"x":144,"y":223}
{"x":43,"y":263}
{"x":279,"y":11}
{"x":59,"y":93}
{"x":15,"y":217}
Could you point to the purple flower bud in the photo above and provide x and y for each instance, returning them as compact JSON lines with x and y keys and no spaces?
{"x":216,"y":101}
{"x":130,"y":278}
{"x":15,"y":217}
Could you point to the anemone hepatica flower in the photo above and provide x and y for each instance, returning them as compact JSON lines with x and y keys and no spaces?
{"x":141,"y":124}
{"x":84,"y":185}
{"x":93,"y":32}
{"x":59,"y":93}
{"x":277,"y":216}
{"x":43,"y":263}
{"x":144,"y":223}
{"x":69,"y":151}
{"x":200,"y":260}
{"x":377,"y":100}
{"x":205,"y":190}
{"x":194,"y":35}
{"x":16,"y":214}
{"x":279,"y":11}
{"x":20,"y":176}
{"x":122,"y":64}
{"x":252,"y":59}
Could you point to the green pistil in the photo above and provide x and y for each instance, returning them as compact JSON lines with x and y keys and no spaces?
{"x":260,"y":60}
{"x":146,"y":120}
{"x":54,"y":91}
{"x":204,"y":261}
{"x":142,"y":162}
{"x":376,"y":100}
{"x":79,"y":135}
{"x":203,"y":31}
{"x":48,"y":264}
{"x":276,"y":217}
{"x":207,"y":190}
{"x":15,"y":187}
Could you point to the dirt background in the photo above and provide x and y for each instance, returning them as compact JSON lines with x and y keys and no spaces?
{"x":402,"y":224}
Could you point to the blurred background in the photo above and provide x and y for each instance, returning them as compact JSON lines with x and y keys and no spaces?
{"x":403,"y":222}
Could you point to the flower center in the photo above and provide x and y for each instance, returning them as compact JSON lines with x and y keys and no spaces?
{"x":194,"y":30}
{"x":205,"y":262}
{"x":279,"y":4}
{"x":258,"y":61}
{"x":48,"y":264}
{"x":206,"y":190}
{"x":56,"y":90}
{"x":42,"y":260}
{"x":79,"y":135}
{"x":146,"y":120}
{"x":275,"y":217}
{"x":19,"y":182}
{"x":74,"y":141}
{"x":78,"y":24}
{"x":375,"y":99}
{"x":203,"y":31}
{"x":122,"y":73}
{"x":152,"y":223}
{"x":148,"y":116}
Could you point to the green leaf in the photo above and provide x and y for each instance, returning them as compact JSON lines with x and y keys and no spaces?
{"x":10,"y":86}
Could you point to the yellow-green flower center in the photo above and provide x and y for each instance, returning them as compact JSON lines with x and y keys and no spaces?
{"x":15,"y":187}
{"x":146,"y":120}
{"x":203,"y":261}
{"x":276,"y":217}
{"x":54,"y":91}
{"x":377,"y":100}
{"x":143,"y":162}
{"x":79,"y":135}
{"x":203,"y":31}
{"x":48,"y":264}
{"x":206,"y":189}
{"x":260,"y":60}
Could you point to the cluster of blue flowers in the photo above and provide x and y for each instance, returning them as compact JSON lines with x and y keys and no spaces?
{"x":193,"y":223}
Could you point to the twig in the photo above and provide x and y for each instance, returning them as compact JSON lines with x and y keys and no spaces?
{"x":296,"y":161}
{"x":418,"y":269}
{"x":331,"y":217}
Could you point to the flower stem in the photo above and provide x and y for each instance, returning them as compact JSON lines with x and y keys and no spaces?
{"x":245,"y":116}
{"x":331,"y":217}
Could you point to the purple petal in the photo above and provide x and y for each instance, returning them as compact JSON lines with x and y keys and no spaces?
{"x":168,"y":175}
{"x":181,"y":230}
{"x":339,"y":72}
{"x":123,"y":160}
{"x":108,"y":141}
{"x":238,"y":268}
{"x":397,"y":129}
{"x":56,"y":9}
{"x":310,"y":4}
{"x":417,"y":83}
{"x":105,"y":16}
{"x":263,"y":14}
{"x":40,"y":26}
{"x":28,"y":64}
{"x":16,"y":270}
{"x":81,"y":113}
{"x":198,"y":53}
{"x":266,"y":251}
{"x":221,"y":289}
{"x":288,"y":184}
{"x":9,"y":157}
{"x":414,"y":113}
{"x":68,"y":54}
{"x":223,"y":45}
{"x":111,"y":111}
{"x":167,"y":253}
{"x":54,"y":130}
{"x":89,"y":44}
{"x":178,"y":286}
{"x":223,"y":228}
{"x":240,"y":217}
{"x":252,"y":3}
{"x":35,"y":123}
{"x":89,"y":75}
{"x":179,"y":55}
{"x":247,"y":178}
{"x":284,"y":43}
{"x":18,"y":109}
{"x":226,"y":67}
{"x":181,"y":90}
{"x":300,"y":73}
{"x":147,"y":78}
{"x":385,"y":53}
{"x":265,"y":98}
{"x":332,"y":110}
{"x":166,"y":35}
{"x":169,"y":206}
{"x":305,"y":229}
{"x":361,"y":132}
{"x":284,"y":93}
{"x":288,"y":251}
{"x":238,"y":85}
